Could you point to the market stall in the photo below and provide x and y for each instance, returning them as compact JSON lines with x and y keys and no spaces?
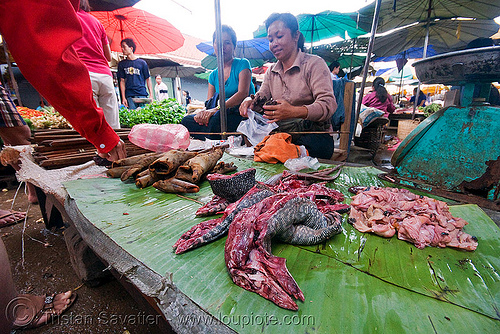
{"x":354,"y":280}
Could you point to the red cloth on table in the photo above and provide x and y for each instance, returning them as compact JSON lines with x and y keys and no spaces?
{"x":40,"y":34}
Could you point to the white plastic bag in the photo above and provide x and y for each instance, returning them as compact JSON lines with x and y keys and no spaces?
{"x":160,"y":138}
{"x":302,"y":163}
{"x":255,"y":128}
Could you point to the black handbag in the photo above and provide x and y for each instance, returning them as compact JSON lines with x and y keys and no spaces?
{"x":213,"y":102}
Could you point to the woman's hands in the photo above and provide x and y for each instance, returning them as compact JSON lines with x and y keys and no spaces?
{"x":245,"y":105}
{"x":203,"y":116}
{"x":280,"y":111}
{"x":283,"y":110}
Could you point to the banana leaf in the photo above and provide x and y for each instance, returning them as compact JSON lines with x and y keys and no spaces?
{"x":355,"y":282}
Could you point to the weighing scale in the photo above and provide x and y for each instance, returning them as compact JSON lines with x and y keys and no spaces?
{"x":457,"y":149}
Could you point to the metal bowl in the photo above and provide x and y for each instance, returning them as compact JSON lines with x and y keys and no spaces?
{"x":460,"y":67}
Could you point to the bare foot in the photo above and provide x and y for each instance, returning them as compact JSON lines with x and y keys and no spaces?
{"x":8,"y":217}
{"x":32,"y":311}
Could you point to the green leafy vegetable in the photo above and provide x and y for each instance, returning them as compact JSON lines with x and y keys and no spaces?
{"x":165,"y":112}
{"x":431,"y":109}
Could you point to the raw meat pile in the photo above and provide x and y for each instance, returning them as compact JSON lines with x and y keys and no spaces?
{"x":420,"y":220}
{"x":292,"y":211}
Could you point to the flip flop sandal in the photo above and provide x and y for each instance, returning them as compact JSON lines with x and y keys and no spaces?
{"x":47,"y":309}
{"x":11,"y":213}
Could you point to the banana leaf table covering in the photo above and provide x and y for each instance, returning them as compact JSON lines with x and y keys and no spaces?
{"x":354,"y":283}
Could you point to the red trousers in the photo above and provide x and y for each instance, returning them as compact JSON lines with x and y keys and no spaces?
{"x":40,"y":34}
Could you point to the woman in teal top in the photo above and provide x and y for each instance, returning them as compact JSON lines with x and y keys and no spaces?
{"x":238,"y":85}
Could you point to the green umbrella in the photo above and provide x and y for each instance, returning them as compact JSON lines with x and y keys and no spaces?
{"x":203,"y":75}
{"x":394,"y":14}
{"x":210,"y":62}
{"x":327,"y":24}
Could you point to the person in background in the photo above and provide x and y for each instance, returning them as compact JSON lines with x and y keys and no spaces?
{"x":93,"y":49}
{"x":47,"y":59}
{"x":300,"y":84}
{"x":238,"y":85}
{"x":161,"y":90}
{"x":334,"y":69}
{"x":187,"y":97}
{"x":133,"y":74}
{"x":379,"y":98}
{"x":422,"y":99}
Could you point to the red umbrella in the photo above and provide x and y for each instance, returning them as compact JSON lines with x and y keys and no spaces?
{"x":150,"y":33}
{"x":259,"y":70}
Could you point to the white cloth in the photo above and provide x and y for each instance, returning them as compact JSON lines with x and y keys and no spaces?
{"x":161,"y":92}
{"x":105,"y":97}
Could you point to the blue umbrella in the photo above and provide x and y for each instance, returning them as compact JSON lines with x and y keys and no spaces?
{"x":210,"y":62}
{"x":257,"y":48}
{"x":411,"y":53}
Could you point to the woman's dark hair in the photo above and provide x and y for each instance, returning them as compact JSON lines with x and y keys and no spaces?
{"x":378,"y":86}
{"x":130,"y":42}
{"x":290,"y":22}
{"x":85,"y":6}
{"x":333,"y":65}
{"x":230,"y":31}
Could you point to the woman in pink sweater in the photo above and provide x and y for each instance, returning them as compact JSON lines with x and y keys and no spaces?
{"x":379,"y":98}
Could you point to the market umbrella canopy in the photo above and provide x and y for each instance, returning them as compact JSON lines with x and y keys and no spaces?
{"x":327,"y":24}
{"x":394,"y":75}
{"x":151,"y":34}
{"x":444,"y":36}
{"x":159,"y":62}
{"x":210,"y":62}
{"x":259,"y":70}
{"x":347,"y":60}
{"x":257,"y":48}
{"x":107,"y":5}
{"x":203,"y":75}
{"x":399,"y":13}
{"x":411,"y":53}
{"x":330,"y":52}
{"x":180,"y":71}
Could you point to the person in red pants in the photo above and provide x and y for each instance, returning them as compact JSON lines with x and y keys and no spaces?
{"x":40,"y":35}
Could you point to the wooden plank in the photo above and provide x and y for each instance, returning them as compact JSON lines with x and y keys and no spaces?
{"x":345,"y":129}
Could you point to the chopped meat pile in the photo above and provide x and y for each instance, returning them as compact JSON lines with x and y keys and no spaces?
{"x":420,"y":220}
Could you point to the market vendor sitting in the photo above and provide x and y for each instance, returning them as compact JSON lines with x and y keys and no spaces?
{"x":421,"y":98}
{"x":379,"y":98}
{"x":301,"y":85}
{"x":238,"y":85}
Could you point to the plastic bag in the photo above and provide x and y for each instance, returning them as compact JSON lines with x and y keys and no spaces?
{"x":255,"y":128}
{"x":302,"y":163}
{"x":237,"y":147}
{"x":160,"y":138}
